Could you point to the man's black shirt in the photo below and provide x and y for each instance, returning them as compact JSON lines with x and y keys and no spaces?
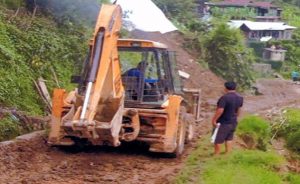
{"x":231,"y":102}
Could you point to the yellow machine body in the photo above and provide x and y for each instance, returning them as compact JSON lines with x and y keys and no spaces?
{"x":98,"y":112}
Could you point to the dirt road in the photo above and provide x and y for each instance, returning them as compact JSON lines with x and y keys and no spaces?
{"x":32,"y":161}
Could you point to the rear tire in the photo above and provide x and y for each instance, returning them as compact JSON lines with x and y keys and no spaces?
{"x":181,"y":134}
{"x":189,"y":133}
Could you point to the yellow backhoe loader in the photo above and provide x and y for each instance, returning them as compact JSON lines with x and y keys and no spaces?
{"x":128,"y":91}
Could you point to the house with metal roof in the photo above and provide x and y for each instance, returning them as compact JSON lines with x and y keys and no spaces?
{"x":260,"y":10}
{"x":263,"y":31}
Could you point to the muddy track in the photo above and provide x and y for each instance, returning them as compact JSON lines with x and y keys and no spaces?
{"x":34,"y":162}
{"x":30,"y":160}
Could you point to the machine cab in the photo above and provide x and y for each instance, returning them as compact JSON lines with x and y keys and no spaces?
{"x":148,"y":74}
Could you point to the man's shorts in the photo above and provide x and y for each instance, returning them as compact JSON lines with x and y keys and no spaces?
{"x":225,"y":133}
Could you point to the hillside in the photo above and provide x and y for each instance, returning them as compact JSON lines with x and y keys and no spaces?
{"x":32,"y":47}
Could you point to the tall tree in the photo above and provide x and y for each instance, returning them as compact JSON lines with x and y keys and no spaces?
{"x":228,"y":57}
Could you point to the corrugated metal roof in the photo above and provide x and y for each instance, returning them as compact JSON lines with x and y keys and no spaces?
{"x":256,"y":26}
{"x":262,"y":4}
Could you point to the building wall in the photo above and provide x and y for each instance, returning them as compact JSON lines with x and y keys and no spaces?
{"x":277,"y":56}
{"x":274,"y":55}
{"x":276,"y":35}
{"x":256,"y":11}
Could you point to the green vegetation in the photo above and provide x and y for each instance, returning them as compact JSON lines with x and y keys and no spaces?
{"x":12,"y":4}
{"x":292,"y":121}
{"x":31,"y":47}
{"x":9,"y":128}
{"x":182,"y":13}
{"x":49,"y":43}
{"x":246,"y":166}
{"x":228,"y":57}
{"x":233,"y":13}
{"x":255,"y":132}
{"x":257,"y":47}
{"x":250,"y":167}
{"x":291,"y":15}
{"x":292,"y":54}
{"x":290,"y":129}
{"x":293,"y":141}
{"x":293,"y":2}
{"x":293,"y":178}
{"x":15,"y":124}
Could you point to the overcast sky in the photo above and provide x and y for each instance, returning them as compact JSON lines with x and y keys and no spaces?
{"x":146,"y":16}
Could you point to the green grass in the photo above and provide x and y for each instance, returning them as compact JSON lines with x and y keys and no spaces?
{"x":293,"y":141}
{"x":291,"y":129}
{"x":255,"y":131}
{"x":293,"y":120}
{"x":191,"y":173}
{"x":293,"y":178}
{"x":241,"y":166}
{"x":28,"y":50}
{"x":250,"y":167}
{"x":246,"y":166}
{"x":236,"y":174}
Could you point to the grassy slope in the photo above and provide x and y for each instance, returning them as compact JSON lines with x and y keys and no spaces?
{"x":241,"y":166}
{"x":29,"y":48}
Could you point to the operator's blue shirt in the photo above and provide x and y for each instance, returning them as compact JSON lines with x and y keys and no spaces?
{"x":134,"y":72}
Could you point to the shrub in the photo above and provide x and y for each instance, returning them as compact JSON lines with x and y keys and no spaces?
{"x":292,"y":121}
{"x":293,"y":141}
{"x":228,"y":57}
{"x":255,"y":132}
{"x":258,"y":47}
{"x":287,"y":125}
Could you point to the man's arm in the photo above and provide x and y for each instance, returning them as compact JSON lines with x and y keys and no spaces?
{"x":238,"y":112}
{"x":217,"y":115}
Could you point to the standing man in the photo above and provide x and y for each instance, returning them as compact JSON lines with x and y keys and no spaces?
{"x":228,"y":109}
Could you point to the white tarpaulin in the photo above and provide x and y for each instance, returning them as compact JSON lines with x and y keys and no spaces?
{"x":265,"y":38}
{"x":146,"y":16}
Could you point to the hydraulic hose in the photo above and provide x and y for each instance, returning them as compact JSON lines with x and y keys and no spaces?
{"x":94,"y":70}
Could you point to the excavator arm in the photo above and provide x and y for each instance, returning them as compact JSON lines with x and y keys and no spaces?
{"x":104,"y":79}
{"x":97,"y":110}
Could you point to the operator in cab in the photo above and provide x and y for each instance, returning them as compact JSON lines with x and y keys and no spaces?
{"x":137,"y":71}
